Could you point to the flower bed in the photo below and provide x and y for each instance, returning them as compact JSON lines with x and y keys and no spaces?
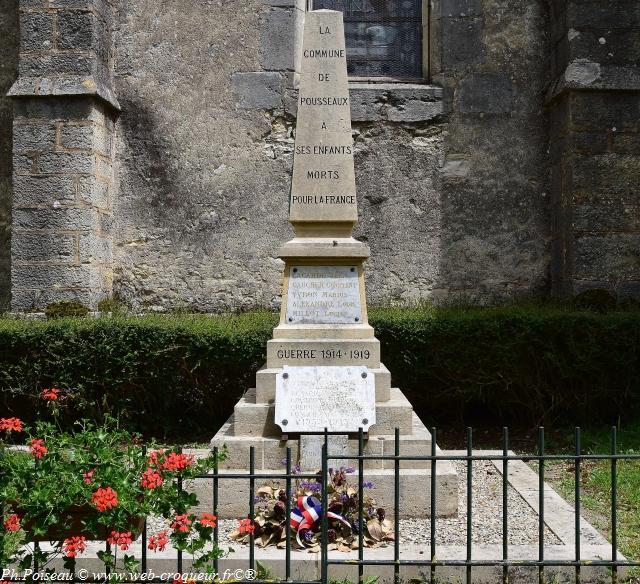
{"x":96,"y":482}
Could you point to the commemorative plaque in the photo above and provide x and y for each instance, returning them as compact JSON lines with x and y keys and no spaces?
{"x":310,"y":399}
{"x":323,"y":295}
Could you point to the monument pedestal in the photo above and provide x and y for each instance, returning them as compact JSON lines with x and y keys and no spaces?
{"x":253,"y":424}
{"x":323,"y":365}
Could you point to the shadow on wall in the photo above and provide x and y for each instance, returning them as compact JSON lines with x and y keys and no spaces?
{"x":9,"y":39}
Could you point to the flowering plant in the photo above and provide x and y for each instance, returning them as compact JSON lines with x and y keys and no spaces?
{"x":269,"y":525}
{"x":96,"y":482}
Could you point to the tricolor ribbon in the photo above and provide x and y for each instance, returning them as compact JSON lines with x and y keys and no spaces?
{"x":307,"y":515}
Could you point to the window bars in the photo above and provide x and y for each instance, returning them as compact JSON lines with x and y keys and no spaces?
{"x":383,"y":37}
{"x":506,"y":563}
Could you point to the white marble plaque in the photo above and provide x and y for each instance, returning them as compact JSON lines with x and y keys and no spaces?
{"x":340,"y":399}
{"x":323,"y":295}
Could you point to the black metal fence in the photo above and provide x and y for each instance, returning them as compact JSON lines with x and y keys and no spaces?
{"x":431,"y":562}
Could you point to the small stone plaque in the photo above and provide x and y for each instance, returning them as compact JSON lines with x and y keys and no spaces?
{"x":340,"y":399}
{"x":323,"y":295}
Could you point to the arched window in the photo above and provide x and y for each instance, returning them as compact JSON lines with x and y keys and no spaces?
{"x":384,"y":37}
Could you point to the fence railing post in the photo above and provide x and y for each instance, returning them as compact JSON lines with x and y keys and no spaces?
{"x":433,"y":511}
{"x":614,"y":505}
{"x":541,"y":578}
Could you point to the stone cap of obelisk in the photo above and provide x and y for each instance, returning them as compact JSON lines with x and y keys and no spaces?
{"x":322,"y":204}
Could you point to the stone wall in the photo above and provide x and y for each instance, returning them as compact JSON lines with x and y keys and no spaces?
{"x":595,"y":146}
{"x":455,"y":191}
{"x":8,"y":73}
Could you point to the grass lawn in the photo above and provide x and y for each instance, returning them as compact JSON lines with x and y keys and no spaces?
{"x":596,"y":485}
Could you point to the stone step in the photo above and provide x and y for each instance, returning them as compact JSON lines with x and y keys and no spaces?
{"x":312,"y":352}
{"x":415,"y":491}
{"x":266,"y":384}
{"x":286,"y":331}
{"x":270,"y":451}
{"x":257,"y":419}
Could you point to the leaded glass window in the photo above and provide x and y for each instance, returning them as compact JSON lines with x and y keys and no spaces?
{"x":384,"y":37}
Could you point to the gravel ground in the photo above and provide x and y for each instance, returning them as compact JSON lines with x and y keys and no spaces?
{"x":486,"y":522}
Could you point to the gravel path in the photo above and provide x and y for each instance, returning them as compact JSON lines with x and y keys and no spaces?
{"x":486,"y":522}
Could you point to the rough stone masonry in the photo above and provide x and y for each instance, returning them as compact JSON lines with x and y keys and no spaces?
{"x":146,"y":152}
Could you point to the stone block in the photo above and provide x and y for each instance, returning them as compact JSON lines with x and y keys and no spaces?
{"x":298,"y":4}
{"x":278,"y":39}
{"x":460,"y":8}
{"x":26,"y":300}
{"x":46,"y":108}
{"x":310,"y":450}
{"x":366,"y":105}
{"x":415,"y":111}
{"x":628,"y":290}
{"x":605,"y":111}
{"x":418,"y":443}
{"x":99,"y":6}
{"x":626,"y":143}
{"x":66,"y":163}
{"x":44,"y":277}
{"x":615,"y":175}
{"x":43,"y":247}
{"x":323,"y":352}
{"x":397,"y":412}
{"x":77,"y":137}
{"x":598,"y":14}
{"x":257,"y":90}
{"x":39,"y":137}
{"x":95,"y":248}
{"x":462,"y":41}
{"x":590,"y":142}
{"x":29,"y":191}
{"x":483,"y":93}
{"x":62,"y":219}
{"x":56,"y":64}
{"x":606,"y":217}
{"x":25,"y":163}
{"x":607,"y":258}
{"x":77,"y":30}
{"x":36,"y":31}
{"x":104,"y":167}
{"x":252,"y":419}
{"x":94,"y":192}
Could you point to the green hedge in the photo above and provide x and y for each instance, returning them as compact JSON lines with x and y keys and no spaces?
{"x":179,"y":376}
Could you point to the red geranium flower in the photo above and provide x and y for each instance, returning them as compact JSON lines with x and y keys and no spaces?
{"x":174,"y":461}
{"x":52,"y":394}
{"x":181,"y":523}
{"x":73,"y":546}
{"x":12,"y":523}
{"x":121,"y":539}
{"x":154,"y":458}
{"x":208,"y":520}
{"x":37,"y":447}
{"x":158,"y":542}
{"x":151,"y":479}
{"x":246,"y":526}
{"x":11,"y":424}
{"x":105,"y":499}
{"x":88,"y":476}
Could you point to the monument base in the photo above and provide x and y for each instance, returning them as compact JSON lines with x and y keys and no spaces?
{"x":252,"y":424}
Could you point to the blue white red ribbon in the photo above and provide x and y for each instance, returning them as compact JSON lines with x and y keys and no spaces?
{"x":307,"y":515}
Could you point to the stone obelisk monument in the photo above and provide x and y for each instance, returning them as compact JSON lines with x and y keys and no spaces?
{"x":323,"y":365}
